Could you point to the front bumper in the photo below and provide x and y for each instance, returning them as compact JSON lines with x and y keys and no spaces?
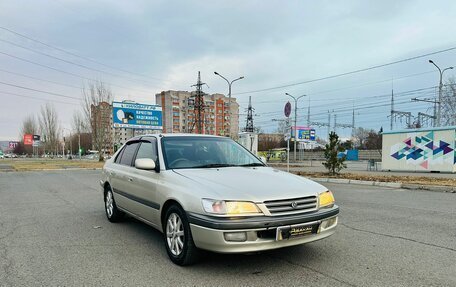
{"x":209,"y":232}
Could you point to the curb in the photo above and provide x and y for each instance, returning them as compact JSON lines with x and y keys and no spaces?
{"x":434,"y":188}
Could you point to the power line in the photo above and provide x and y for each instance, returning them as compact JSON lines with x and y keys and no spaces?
{"x":70,"y":62}
{"x":76,"y":55}
{"x":46,"y":81}
{"x":350,"y":109}
{"x":269,"y":123}
{"x":347,"y":88}
{"x":349,"y":73}
{"x":39,"y":91}
{"x":35,"y":98}
{"x":342,"y":102}
{"x":39,"y":79}
{"x":69,"y":73}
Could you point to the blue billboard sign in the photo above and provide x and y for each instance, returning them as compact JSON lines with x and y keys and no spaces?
{"x":136,"y":116}
{"x":304,"y":133}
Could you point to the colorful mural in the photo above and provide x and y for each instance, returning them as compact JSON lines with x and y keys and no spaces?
{"x":424,"y":147}
{"x":420,"y":150}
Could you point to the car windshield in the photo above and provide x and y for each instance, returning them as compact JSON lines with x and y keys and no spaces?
{"x":205,"y":152}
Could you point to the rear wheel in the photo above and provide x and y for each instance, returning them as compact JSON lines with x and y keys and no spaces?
{"x":112,"y":212}
{"x":178,"y":237}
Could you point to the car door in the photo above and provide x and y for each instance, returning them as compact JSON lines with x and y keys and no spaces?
{"x":143,"y":183}
{"x":120,"y":174}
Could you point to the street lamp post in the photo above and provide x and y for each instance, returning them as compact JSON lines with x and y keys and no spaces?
{"x":229,"y":96}
{"x":439,"y":102}
{"x":295,"y":121}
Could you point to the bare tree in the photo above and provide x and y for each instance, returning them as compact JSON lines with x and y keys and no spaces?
{"x":448,"y":116}
{"x":97,"y":111}
{"x":79,"y":127}
{"x":29,"y":126}
{"x":49,"y":126}
{"x":360,"y":137}
{"x":281,"y":127}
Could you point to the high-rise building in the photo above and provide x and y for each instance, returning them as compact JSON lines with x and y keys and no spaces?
{"x":101,"y":125}
{"x":180,"y":113}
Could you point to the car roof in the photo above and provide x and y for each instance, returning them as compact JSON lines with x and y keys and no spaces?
{"x":136,"y":138}
{"x":179,"y":135}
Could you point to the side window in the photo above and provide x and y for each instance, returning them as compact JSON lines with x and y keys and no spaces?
{"x":128,"y":153}
{"x":147,"y":150}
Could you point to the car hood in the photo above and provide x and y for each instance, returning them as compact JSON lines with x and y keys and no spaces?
{"x":255,"y":184}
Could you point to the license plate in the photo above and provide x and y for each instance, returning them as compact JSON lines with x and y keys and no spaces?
{"x":296,"y":231}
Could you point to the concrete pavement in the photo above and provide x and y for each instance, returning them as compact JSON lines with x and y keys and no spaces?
{"x":53,"y":231}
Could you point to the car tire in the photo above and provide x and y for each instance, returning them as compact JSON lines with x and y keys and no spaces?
{"x":178,"y":239}
{"x":112,"y":212}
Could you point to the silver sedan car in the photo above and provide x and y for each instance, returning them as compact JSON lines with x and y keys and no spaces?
{"x":209,"y":192}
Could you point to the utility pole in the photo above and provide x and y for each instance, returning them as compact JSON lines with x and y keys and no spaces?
{"x":422,"y":117}
{"x":344,"y":126}
{"x":399,"y":115}
{"x":295,"y":121}
{"x":229,"y":96}
{"x":353,"y":124}
{"x":321,"y":124}
{"x":249,"y":124}
{"x":329,"y":124}
{"x":392,"y":109}
{"x":308,"y":114}
{"x":199,"y":104}
{"x":439,"y":105}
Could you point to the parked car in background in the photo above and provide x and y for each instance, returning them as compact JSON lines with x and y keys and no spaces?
{"x":209,"y":192}
{"x":2,"y":156}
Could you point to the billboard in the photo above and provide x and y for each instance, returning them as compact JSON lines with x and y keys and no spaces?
{"x":13,"y":145}
{"x":136,"y":116}
{"x":28,"y":139}
{"x":304,"y":133}
{"x":36,"y":140}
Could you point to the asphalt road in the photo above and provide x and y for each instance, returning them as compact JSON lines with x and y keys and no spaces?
{"x":53,"y":231}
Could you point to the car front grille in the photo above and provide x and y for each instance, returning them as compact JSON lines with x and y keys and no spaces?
{"x":292,"y":205}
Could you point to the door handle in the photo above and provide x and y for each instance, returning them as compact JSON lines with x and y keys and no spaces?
{"x":130,"y":179}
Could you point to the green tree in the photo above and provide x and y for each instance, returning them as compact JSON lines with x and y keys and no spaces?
{"x":333,"y":163}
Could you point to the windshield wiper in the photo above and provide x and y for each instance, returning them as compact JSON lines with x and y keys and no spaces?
{"x":252,"y":164}
{"x":213,"y":165}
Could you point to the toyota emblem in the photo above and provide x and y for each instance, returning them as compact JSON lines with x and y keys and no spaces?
{"x":294,"y":204}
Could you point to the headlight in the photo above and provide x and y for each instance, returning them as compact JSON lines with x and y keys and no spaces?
{"x":326,"y":199}
{"x":229,"y":207}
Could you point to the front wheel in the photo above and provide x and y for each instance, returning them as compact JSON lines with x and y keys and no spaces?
{"x":178,"y":237}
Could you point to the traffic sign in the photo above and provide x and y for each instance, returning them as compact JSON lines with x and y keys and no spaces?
{"x":287,"y":109}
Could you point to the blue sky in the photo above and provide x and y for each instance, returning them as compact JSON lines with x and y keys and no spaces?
{"x":165,"y":43}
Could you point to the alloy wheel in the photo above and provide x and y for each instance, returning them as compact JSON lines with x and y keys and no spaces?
{"x":175,"y":234}
{"x":109,"y":204}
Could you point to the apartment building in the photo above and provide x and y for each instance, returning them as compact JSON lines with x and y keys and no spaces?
{"x":181,"y":116}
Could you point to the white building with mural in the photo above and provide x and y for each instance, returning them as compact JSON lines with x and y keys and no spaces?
{"x":431,"y":149}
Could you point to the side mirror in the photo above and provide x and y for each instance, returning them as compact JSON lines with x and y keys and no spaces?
{"x":263,"y":159}
{"x":145,"y":164}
